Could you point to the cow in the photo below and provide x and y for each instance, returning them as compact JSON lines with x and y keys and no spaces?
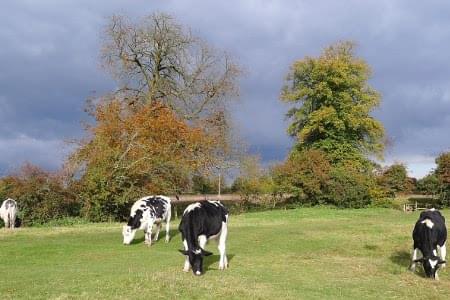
{"x":201,"y":222}
{"x":144,"y":213}
{"x":8,"y":212}
{"x":429,"y":235}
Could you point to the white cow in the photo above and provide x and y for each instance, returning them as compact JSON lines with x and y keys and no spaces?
{"x":8,"y":212}
{"x":144,"y":213}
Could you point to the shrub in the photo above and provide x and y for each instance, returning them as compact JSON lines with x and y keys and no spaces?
{"x":304,"y":175}
{"x":40,"y":195}
{"x":349,"y":187}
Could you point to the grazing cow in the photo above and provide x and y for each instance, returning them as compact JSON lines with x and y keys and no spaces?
{"x":8,"y":212}
{"x":429,"y":234}
{"x":144,"y":213}
{"x":201,"y":222}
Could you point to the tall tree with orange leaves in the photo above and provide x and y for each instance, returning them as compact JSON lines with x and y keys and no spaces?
{"x":133,"y":152}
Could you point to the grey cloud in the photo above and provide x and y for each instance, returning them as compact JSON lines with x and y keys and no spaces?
{"x":49,"y":59}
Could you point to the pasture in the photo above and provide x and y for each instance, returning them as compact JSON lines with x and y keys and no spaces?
{"x":306,"y":253}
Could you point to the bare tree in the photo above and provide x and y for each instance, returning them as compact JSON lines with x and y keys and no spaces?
{"x":157,"y":59}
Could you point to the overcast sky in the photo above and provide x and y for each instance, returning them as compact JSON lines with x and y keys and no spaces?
{"x":49,"y":65}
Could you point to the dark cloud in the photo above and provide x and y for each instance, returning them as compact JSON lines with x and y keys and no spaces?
{"x":49,"y":59}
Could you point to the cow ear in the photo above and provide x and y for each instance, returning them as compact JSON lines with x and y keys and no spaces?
{"x":206,"y":253}
{"x":184,"y":252}
{"x":419,"y":260}
{"x":440,"y":262}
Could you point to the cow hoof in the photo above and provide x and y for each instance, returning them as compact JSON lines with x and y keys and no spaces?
{"x":167,"y":240}
{"x":186,"y":270}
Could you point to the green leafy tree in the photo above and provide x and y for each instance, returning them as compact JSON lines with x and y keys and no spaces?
{"x":348,"y":187}
{"x":428,"y":185}
{"x":332,"y":104}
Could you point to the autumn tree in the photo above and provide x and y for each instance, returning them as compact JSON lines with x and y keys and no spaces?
{"x":443,"y":175}
{"x":305,"y":175}
{"x":395,"y":179}
{"x":41,"y":195}
{"x":130,"y":153}
{"x":332,"y":104}
{"x":157,"y":59}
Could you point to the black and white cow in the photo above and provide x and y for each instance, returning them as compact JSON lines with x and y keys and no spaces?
{"x":144,"y":213}
{"x":8,"y":212}
{"x":429,"y":235}
{"x":201,"y":222}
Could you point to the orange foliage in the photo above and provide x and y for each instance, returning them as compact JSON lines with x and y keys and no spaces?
{"x":151,"y":145}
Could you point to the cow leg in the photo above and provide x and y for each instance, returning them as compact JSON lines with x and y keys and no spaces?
{"x":414,"y":257}
{"x":148,"y":234}
{"x":443,"y":253}
{"x":223,"y":262}
{"x":12,"y":222}
{"x":169,"y":214}
{"x":158,"y":228}
{"x":187,"y":265}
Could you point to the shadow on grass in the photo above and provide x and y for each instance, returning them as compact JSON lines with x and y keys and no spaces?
{"x":371,"y":247}
{"x":214,"y":259}
{"x":401,"y":258}
{"x":162,"y":237}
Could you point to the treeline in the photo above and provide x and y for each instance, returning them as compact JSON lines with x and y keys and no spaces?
{"x":312,"y":180}
{"x":165,"y":126}
{"x":167,"y":130}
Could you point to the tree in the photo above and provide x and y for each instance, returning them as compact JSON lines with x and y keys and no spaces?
{"x":131,"y":153}
{"x":305,"y":175}
{"x":395,"y":179}
{"x":428,"y":185}
{"x":157,"y":59}
{"x":41,"y":195}
{"x":443,"y":174}
{"x":203,"y":185}
{"x":332,"y":105}
{"x":253,"y":179}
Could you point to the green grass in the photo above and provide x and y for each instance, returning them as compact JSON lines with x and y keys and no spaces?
{"x":310,"y":253}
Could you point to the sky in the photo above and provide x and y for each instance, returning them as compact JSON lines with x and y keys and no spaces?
{"x":49,"y":65}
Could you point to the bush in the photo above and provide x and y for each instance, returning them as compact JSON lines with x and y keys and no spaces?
{"x":383,"y":203}
{"x":40,"y":195}
{"x":349,"y":187}
{"x":304,"y":175}
{"x":429,"y":185}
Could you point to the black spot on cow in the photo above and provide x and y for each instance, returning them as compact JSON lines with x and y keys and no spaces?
{"x":135,"y":221}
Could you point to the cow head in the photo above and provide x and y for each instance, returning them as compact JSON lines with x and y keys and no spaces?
{"x":431,"y":265}
{"x":196,"y":259}
{"x":128,"y":234}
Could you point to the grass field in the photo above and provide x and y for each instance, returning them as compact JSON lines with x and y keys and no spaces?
{"x":316,"y":253}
